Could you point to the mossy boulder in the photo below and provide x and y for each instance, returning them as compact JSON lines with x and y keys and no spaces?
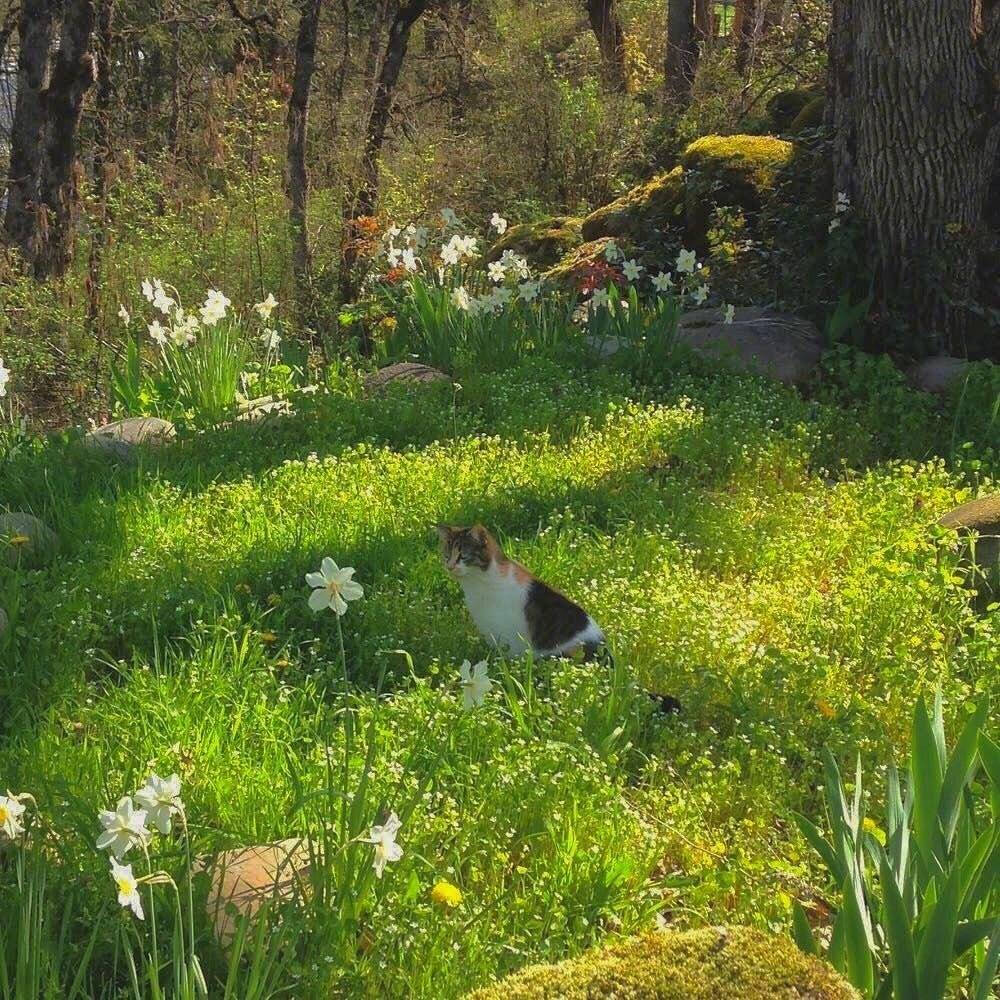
{"x":784,"y":106}
{"x":567,"y":271}
{"x":810,"y":116}
{"x":642,"y":213}
{"x":718,"y":963}
{"x":979,"y":520}
{"x":542,"y":243}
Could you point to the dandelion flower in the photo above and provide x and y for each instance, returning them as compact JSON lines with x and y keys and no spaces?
{"x":4,"y":379}
{"x":476,"y":684}
{"x":11,"y":810}
{"x":686,"y":262}
{"x":446,"y":894}
{"x":499,"y":223}
{"x":460,"y":298}
{"x":632,"y":270}
{"x":265,"y":308}
{"x":496,"y":270}
{"x":333,"y":587}
{"x":128,"y":887}
{"x":662,"y":281}
{"x":161,"y":798}
{"x":700,"y":294}
{"x":384,"y":839}
{"x":728,"y":313}
{"x":123,"y":828}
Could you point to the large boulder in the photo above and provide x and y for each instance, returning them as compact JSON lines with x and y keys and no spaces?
{"x":980,"y":518}
{"x":588,"y":258}
{"x":541,"y":243}
{"x":811,"y":116}
{"x":938,"y":374}
{"x":25,"y":540}
{"x":785,"y":106}
{"x":121,"y":438}
{"x":758,"y":341}
{"x":716,"y":963}
{"x":402,"y":373}
{"x":642,"y":213}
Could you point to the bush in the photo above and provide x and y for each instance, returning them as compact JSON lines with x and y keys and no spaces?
{"x":694,"y":965}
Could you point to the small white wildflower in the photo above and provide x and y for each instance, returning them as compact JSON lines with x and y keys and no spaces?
{"x":700,"y":294}
{"x":393,"y":255}
{"x":157,"y":332}
{"x":834,"y":224}
{"x":4,"y":378}
{"x":147,"y":290}
{"x":476,"y":684}
{"x":528,"y":291}
{"x":270,"y":339}
{"x":499,"y":223}
{"x":843,"y":202}
{"x":384,"y":839}
{"x":611,"y":252}
{"x":599,"y":298}
{"x":333,"y":587}
{"x":11,"y":810}
{"x":409,"y":259}
{"x":128,"y":887}
{"x":214,"y":308}
{"x":123,"y":315}
{"x":161,"y":301}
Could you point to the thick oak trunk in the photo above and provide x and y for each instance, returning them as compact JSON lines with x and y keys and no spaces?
{"x":916,"y":107}
{"x":607,"y":28}
{"x":681,"y":53}
{"x":36,"y":28}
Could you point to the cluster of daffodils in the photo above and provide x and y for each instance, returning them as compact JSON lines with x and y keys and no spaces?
{"x":128,"y":825}
{"x":842,"y":204}
{"x":11,"y":810}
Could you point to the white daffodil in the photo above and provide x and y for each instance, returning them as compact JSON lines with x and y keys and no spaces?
{"x":4,"y":378}
{"x":147,"y":290}
{"x":528,"y":291}
{"x":128,"y":887}
{"x":728,"y":313}
{"x":161,"y":798}
{"x":157,"y":332}
{"x":460,"y":299}
{"x":123,"y":828}
{"x":499,"y":223}
{"x":476,"y":684}
{"x":834,"y":223}
{"x":468,"y":246}
{"x":418,"y":235}
{"x":392,"y":232}
{"x":599,"y":298}
{"x":451,"y":251}
{"x":662,"y":281}
{"x":611,"y":252}
{"x":843,"y":202}
{"x":700,"y":294}
{"x":409,"y":260}
{"x":161,"y":301}
{"x":11,"y":810}
{"x":265,"y":308}
{"x":500,"y":297}
{"x":384,"y":839}
{"x":448,"y":217}
{"x":632,"y":270}
{"x":515,"y":264}
{"x":123,"y":315}
{"x":686,"y":262}
{"x":270,"y":339}
{"x":333,"y":587}
{"x":392,"y":255}
{"x":214,"y":308}
{"x":496,"y":270}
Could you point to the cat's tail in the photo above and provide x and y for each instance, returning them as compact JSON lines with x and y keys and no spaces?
{"x":600,"y":653}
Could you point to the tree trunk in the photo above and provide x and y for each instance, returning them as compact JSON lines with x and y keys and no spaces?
{"x":607,"y":27}
{"x":916,"y":104}
{"x":72,"y":76}
{"x":704,"y":20}
{"x":681,"y":55}
{"x":36,"y":28}
{"x":378,"y":121}
{"x":745,"y":33}
{"x":373,"y":60}
{"x":298,"y":177}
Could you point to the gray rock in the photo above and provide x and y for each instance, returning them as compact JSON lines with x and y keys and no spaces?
{"x":121,"y":438}
{"x":937,"y":374}
{"x":263,"y":409}
{"x":405,"y":372}
{"x":981,"y":516}
{"x":604,"y":347}
{"x":758,"y":341}
{"x":25,"y":540}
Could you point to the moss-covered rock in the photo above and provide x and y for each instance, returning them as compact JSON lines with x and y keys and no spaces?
{"x":714,"y":964}
{"x":570,"y":268}
{"x":784,"y":106}
{"x":542,"y":243}
{"x":642,"y":213}
{"x":810,"y":116}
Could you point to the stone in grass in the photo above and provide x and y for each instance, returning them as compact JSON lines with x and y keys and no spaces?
{"x":402,"y":372}
{"x":981,"y":516}
{"x":937,"y":374}
{"x":757,"y":341}
{"x":121,"y":438}
{"x":25,"y":540}
{"x":715,"y":963}
{"x":244,"y":879}
{"x":263,"y":410}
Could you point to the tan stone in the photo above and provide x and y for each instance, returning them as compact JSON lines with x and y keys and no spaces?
{"x":121,"y":438}
{"x":25,"y":540}
{"x":981,"y":516}
{"x":403,"y":371}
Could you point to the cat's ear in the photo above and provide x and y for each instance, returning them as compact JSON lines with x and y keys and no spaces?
{"x":480,"y":534}
{"x":444,"y":532}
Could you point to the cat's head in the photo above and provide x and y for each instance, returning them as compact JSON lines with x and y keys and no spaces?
{"x":466,"y":550}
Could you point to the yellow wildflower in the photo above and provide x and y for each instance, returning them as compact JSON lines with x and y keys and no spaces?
{"x":446,"y":894}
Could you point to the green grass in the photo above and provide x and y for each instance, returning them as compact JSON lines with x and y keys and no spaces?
{"x":766,"y":559}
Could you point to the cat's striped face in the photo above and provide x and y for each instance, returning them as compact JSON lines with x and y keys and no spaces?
{"x":464,"y":550}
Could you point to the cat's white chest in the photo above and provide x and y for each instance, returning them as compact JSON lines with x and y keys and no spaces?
{"x":496,"y":603}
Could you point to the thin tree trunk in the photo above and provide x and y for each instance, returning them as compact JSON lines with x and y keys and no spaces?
{"x":681,"y":53}
{"x":72,"y":76}
{"x":917,"y":107}
{"x":704,"y":20}
{"x":378,"y":121}
{"x":36,"y":28}
{"x":607,"y":28}
{"x":744,"y":32}
{"x":373,"y":60}
{"x":298,"y":177}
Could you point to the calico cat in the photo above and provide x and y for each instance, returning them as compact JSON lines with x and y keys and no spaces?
{"x":513,"y":609}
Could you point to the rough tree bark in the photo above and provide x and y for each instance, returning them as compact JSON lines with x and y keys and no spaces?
{"x":704,"y":20}
{"x":915,"y":99}
{"x":36,"y":28}
{"x":745,"y":32}
{"x":681,"y":53}
{"x":607,"y":28}
{"x":298,"y":123}
{"x":378,"y":121}
{"x":72,"y":76}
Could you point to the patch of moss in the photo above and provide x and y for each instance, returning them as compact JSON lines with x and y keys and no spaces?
{"x":710,"y":964}
{"x":811,"y":116}
{"x":784,"y":106}
{"x":567,"y":270}
{"x":543,"y":243}
{"x":641,"y":213}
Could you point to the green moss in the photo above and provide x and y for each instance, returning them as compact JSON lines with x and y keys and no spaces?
{"x":543,"y":243}
{"x":811,"y":116}
{"x":784,"y":106}
{"x":710,"y":964}
{"x":643,"y":212}
{"x":566,"y":270}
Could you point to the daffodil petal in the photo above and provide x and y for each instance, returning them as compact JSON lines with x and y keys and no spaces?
{"x":329,"y":568}
{"x":319,"y":599}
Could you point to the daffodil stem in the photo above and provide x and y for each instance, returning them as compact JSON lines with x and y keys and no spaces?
{"x":343,"y":655}
{"x":153,"y":969}
{"x":190,"y":890}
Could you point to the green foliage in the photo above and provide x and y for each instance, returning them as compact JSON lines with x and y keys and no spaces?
{"x":920,"y":897}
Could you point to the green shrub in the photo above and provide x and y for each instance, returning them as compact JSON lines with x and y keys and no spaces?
{"x":708,"y":964}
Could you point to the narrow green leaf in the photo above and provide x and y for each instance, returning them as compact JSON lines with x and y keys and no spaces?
{"x":989,"y":754}
{"x":821,"y":846}
{"x":937,"y":727}
{"x":857,"y":954}
{"x":837,"y":952}
{"x":937,"y":940}
{"x":987,"y":974}
{"x":972,"y":863}
{"x":894,"y":816}
{"x":971,"y":932}
{"x":900,"y":938}
{"x":801,"y":930}
{"x":959,"y":771}
{"x":926,"y":777}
